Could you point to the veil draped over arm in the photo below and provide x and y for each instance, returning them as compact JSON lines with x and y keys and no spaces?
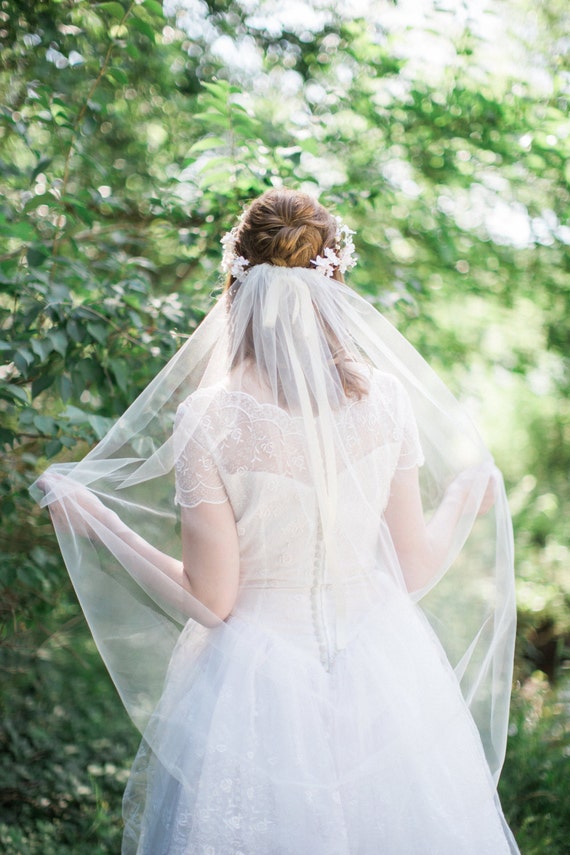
{"x":277,"y":341}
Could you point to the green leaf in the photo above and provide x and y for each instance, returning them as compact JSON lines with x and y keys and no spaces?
{"x":99,"y":332}
{"x":144,"y":27}
{"x":7,"y":437}
{"x":82,"y":212}
{"x":207,"y":143}
{"x":217,"y":179}
{"x":41,"y":347}
{"x":24,"y":231}
{"x":218,"y":161}
{"x":121,"y":373}
{"x":45,"y":424}
{"x":220,"y":89}
{"x":36,"y":255}
{"x":100,"y":425}
{"x":155,"y":7}
{"x":41,"y":383}
{"x":26,"y":417}
{"x":75,"y":332}
{"x":213,"y":119}
{"x":59,"y":341}
{"x":14,"y":392}
{"x":119,"y":75}
{"x":22,"y":359}
{"x":36,"y":201}
{"x":53,"y":447}
{"x":74,"y":415}
{"x":65,"y":387}
{"x":113,"y":9}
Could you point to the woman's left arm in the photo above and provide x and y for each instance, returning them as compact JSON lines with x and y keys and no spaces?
{"x":209,"y":570}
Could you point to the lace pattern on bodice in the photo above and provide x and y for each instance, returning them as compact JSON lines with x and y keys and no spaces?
{"x":255,"y":455}
{"x":240,"y":435}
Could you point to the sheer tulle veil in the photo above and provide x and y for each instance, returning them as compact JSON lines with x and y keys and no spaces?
{"x":296,"y":321}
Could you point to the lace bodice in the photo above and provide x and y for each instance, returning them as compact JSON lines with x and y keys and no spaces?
{"x":255,"y":455}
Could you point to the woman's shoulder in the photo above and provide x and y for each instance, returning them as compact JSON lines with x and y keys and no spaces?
{"x":386,"y":385}
{"x":203,"y":396}
{"x":199,"y":410}
{"x":389,"y":395}
{"x":219,"y":408}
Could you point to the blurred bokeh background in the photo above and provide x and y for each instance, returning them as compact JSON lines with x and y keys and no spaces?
{"x":131,"y":135}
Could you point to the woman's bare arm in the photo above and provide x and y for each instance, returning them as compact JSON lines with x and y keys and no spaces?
{"x":422,"y":547}
{"x":210,"y":555}
{"x":209,"y":570}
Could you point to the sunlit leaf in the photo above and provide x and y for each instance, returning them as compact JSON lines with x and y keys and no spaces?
{"x":119,"y":75}
{"x":113,"y":9}
{"x":154,"y":6}
{"x":144,"y":27}
{"x":206,"y":144}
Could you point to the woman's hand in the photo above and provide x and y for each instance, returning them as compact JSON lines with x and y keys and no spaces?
{"x":462,"y":485}
{"x":76,"y":504}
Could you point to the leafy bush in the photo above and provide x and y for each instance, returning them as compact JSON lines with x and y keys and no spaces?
{"x":66,"y":746}
{"x":534,"y":784}
{"x":127,"y":147}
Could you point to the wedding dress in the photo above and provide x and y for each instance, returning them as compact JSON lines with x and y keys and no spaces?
{"x":338,"y":710}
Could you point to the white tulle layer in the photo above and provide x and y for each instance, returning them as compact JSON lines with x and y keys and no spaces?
{"x":257,"y":749}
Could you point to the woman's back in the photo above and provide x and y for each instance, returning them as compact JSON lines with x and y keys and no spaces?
{"x":255,"y":454}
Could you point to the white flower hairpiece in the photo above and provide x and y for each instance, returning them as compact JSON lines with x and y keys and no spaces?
{"x":232,"y":263}
{"x":340,"y":258}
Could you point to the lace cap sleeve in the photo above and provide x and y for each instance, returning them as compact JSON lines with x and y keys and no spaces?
{"x":197,"y":474}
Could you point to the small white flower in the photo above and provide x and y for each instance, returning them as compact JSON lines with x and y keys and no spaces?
{"x":229,"y":244}
{"x":347,"y":259}
{"x":326,"y":265}
{"x":239,"y":264}
{"x":56,"y":57}
{"x":75,"y":58}
{"x":232,"y":263}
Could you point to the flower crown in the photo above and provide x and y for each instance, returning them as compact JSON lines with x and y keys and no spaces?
{"x":341,"y":258}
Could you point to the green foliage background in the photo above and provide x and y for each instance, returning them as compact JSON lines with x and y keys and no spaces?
{"x":128,"y":143}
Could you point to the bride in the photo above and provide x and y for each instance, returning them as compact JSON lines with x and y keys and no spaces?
{"x":295,"y":556}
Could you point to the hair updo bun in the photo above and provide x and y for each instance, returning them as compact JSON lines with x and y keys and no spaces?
{"x":285,"y":228}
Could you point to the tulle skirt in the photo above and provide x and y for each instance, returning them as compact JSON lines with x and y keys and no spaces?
{"x":257,"y":748}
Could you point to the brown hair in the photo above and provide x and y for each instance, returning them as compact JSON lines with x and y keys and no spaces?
{"x":288,"y":228}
